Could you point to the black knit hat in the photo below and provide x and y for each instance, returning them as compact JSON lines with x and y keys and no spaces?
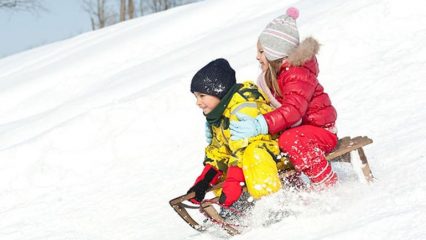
{"x":216,"y":78}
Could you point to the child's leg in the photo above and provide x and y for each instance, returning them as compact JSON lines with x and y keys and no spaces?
{"x":260,"y":169}
{"x":307,"y":146}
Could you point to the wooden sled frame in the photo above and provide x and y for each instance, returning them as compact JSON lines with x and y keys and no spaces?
{"x":341,"y":154}
{"x":206,"y":208}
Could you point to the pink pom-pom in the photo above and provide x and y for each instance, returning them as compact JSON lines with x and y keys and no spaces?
{"x":293,"y":12}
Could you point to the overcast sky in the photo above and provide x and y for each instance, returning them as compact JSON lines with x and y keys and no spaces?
{"x":21,"y":31}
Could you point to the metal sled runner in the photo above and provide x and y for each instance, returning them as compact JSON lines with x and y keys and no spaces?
{"x":342,"y":153}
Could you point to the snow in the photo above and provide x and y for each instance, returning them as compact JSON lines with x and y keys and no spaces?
{"x":98,"y":132}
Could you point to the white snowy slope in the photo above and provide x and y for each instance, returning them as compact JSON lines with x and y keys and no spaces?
{"x":100,"y":131}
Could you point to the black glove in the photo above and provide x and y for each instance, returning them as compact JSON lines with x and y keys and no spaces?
{"x":208,"y":178}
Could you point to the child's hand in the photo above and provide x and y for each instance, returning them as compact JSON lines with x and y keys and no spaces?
{"x":248,"y":126}
{"x":200,"y":189}
{"x":208,"y":178}
{"x":209,"y":134}
{"x":232,"y":186}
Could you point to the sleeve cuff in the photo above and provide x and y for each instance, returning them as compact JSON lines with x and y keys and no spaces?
{"x":262,"y":124}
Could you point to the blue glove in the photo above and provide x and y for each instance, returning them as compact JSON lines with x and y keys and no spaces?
{"x":209,"y":134}
{"x":248,"y":126}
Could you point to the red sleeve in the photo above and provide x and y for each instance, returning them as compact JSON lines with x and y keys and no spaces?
{"x":297,"y":87}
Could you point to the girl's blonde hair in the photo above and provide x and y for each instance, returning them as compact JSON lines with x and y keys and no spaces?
{"x":271,"y":75}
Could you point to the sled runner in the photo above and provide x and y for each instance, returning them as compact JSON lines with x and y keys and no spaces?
{"x":181,"y":208}
{"x":342,"y":153}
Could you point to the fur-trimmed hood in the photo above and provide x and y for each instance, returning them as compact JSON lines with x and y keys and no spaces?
{"x":306,"y":50}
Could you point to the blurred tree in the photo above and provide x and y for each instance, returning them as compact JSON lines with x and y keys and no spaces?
{"x":22,"y":5}
{"x":131,"y":9}
{"x":152,"y":6}
{"x":100,"y":13}
{"x":141,"y":8}
{"x":161,"y":5}
{"x":127,"y":10}
{"x":122,"y":10}
{"x":104,"y":12}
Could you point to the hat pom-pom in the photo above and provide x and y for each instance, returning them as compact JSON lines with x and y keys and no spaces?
{"x":293,"y":12}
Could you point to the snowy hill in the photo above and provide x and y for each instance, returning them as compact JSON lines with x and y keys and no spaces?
{"x":100,"y":131}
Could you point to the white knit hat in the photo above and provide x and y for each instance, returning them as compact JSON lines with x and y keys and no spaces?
{"x":280,"y":36}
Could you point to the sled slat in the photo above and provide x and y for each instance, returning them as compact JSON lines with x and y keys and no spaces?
{"x":182,"y":198}
{"x":346,"y":146}
{"x":344,"y":140}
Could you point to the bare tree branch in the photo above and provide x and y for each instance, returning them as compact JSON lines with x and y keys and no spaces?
{"x":161,"y":5}
{"x":141,"y":8}
{"x":23,"y":5}
{"x":103,"y":13}
{"x":99,"y":13}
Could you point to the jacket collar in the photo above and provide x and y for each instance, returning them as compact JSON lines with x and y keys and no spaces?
{"x":310,"y":64}
{"x":306,"y":50}
{"x":215,"y":115}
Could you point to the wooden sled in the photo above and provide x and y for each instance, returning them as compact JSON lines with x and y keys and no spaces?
{"x":206,"y":208}
{"x":342,"y":153}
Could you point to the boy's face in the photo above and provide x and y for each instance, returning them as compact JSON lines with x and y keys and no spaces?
{"x":260,"y":56}
{"x":206,"y":102}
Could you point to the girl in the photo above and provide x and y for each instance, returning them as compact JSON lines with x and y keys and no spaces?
{"x":303,"y":112}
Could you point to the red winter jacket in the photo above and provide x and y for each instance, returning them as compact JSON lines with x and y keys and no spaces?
{"x":304,"y":100}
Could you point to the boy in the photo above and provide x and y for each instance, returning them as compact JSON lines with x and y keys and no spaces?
{"x":251,"y":161}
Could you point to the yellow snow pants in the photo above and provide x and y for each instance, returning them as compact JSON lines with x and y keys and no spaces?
{"x":261,"y":169}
